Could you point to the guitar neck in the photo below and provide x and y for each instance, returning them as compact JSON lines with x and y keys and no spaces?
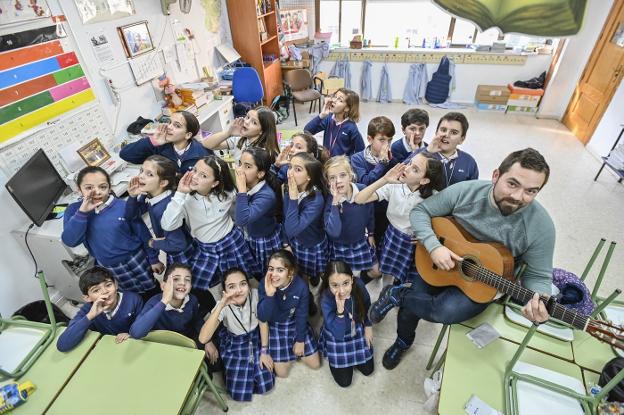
{"x":523,"y":295}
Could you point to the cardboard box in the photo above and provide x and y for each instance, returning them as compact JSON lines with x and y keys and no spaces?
{"x":525,"y":97}
{"x":523,"y":103}
{"x":483,"y":106}
{"x":525,"y":91}
{"x":493,"y":90}
{"x":486,"y":99}
{"x":514,"y":109}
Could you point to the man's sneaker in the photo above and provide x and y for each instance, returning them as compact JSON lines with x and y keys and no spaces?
{"x":393,"y":355}
{"x":388,"y":299}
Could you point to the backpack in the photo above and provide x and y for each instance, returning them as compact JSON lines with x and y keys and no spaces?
{"x":438,"y":88}
{"x":610,"y":370}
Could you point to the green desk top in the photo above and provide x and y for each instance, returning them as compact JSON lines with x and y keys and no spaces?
{"x":514,"y":332}
{"x":134,"y":377}
{"x":589,"y":353}
{"x":51,"y":371}
{"x":468,"y":370}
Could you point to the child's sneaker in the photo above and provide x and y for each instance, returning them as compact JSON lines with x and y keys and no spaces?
{"x":388,"y":299}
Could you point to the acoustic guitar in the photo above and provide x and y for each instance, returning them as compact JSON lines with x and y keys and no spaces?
{"x":487,"y":267}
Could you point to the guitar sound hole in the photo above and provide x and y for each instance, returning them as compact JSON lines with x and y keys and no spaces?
{"x":469,"y":267}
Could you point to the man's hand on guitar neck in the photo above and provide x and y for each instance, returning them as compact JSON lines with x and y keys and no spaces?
{"x":535,"y":310}
{"x":444,"y":258}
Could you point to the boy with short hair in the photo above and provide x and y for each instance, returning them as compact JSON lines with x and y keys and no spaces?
{"x":414,"y":123}
{"x":176,"y":309}
{"x":107,"y":310}
{"x":451,"y":131}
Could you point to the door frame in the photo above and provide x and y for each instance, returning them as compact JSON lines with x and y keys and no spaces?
{"x":610,"y":23}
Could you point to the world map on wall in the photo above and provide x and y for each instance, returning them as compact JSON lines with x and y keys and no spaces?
{"x":213,"y":14}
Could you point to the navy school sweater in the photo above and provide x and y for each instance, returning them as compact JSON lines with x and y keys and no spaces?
{"x":303,"y":220}
{"x":257,"y":212}
{"x":345,"y":137}
{"x":348,"y":222}
{"x":339,"y":327}
{"x":154,"y":317}
{"x":293,"y":300}
{"x":459,"y":169}
{"x":138,"y":151}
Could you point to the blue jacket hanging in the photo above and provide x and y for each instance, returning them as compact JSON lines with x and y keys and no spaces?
{"x":438,"y":87}
{"x":342,"y":69}
{"x":366,"y":81}
{"x":416,"y":84}
{"x":385,"y":91}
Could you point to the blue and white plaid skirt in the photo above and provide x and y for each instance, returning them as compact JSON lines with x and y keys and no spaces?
{"x":241,"y":359}
{"x":215,"y":258}
{"x":134,"y":274}
{"x":313,"y":260}
{"x":282,"y":339}
{"x":397,"y":256}
{"x":351,"y":351}
{"x":262,"y":249}
{"x":360,"y":255}
{"x":182,"y":257}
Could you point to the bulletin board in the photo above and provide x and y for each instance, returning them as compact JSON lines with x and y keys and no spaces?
{"x":41,"y":79}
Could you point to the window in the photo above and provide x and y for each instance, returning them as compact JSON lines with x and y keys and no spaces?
{"x":412,"y":22}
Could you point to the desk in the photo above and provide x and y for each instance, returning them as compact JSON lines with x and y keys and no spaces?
{"x":134,"y":377}
{"x":468,"y":370}
{"x":589,"y":353}
{"x":515,"y":333}
{"x":51,"y":372}
{"x":216,"y":115}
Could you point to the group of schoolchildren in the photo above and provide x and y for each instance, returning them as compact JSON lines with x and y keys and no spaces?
{"x":280,"y":221}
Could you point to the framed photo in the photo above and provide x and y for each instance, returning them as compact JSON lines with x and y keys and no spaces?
{"x":294,"y":24}
{"x":93,"y":153}
{"x":136,"y":39}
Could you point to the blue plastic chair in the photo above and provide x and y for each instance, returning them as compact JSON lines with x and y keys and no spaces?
{"x":246,"y":86}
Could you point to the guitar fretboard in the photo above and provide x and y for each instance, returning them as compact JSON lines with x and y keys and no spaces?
{"x":522,"y":294}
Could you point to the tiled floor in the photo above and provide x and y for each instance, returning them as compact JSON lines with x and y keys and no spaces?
{"x":583,"y":212}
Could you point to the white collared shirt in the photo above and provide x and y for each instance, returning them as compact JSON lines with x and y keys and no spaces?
{"x":169,"y":307}
{"x":111,"y":314}
{"x":181,"y":152}
{"x":153,"y":200}
{"x":401,"y":201}
{"x":105,"y":204}
{"x":246,"y":314}
{"x":256,"y":188}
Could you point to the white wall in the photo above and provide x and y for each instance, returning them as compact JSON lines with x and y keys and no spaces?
{"x":609,"y":127}
{"x":467,"y":76}
{"x":573,"y":60}
{"x":17,"y":285}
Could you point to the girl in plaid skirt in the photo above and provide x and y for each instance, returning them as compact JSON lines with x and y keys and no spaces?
{"x":258,"y":206}
{"x":404,"y":186}
{"x":346,"y":339}
{"x":349,"y":226}
{"x":244,"y":343}
{"x":284,"y":305}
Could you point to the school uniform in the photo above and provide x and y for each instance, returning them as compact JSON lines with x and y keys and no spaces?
{"x":347,"y":226}
{"x":119,"y":320}
{"x":286,"y":312}
{"x":401,"y":149}
{"x":219,"y":245}
{"x":281,"y":173}
{"x":255,"y":211}
{"x":177,"y":244}
{"x":397,"y":256}
{"x":460,"y":167}
{"x":303,"y":228}
{"x":339,"y":137}
{"x":342,"y":340}
{"x":185,"y":159}
{"x":156,"y":315}
{"x":240,"y":350}
{"x":119,"y":245}
{"x":232,"y":145}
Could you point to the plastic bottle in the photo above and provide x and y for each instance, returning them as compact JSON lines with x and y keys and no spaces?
{"x":396,"y":42}
{"x":13,"y":395}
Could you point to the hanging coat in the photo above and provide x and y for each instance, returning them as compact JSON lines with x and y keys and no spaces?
{"x":318,"y":52}
{"x":342,"y":69}
{"x":366,"y":81}
{"x":438,"y":88}
{"x":416,"y":84}
{"x":385,"y":92}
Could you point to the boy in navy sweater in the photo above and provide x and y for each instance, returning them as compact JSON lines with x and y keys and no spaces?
{"x":459,"y":166}
{"x":176,"y":309}
{"x":414,"y":123}
{"x":107,"y":311}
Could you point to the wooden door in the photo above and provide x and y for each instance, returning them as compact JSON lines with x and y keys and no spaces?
{"x":599,"y":80}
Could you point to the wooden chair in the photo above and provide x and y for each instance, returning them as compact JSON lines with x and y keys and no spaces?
{"x":202,"y":382}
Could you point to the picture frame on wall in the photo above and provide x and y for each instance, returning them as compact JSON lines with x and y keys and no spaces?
{"x":93,"y":153}
{"x":136,"y":38}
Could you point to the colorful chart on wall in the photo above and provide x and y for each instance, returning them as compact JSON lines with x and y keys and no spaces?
{"x":40,"y":79}
{"x":12,"y":11}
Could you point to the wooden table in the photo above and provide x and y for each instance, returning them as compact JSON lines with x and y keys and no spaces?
{"x":134,"y":377}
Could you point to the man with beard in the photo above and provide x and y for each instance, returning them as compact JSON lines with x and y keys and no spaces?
{"x":502,"y":210}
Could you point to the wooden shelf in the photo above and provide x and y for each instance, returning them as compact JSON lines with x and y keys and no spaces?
{"x":266,"y":14}
{"x":267,"y":64}
{"x":268,"y":40}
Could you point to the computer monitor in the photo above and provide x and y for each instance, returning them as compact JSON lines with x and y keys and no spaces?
{"x":36,"y":187}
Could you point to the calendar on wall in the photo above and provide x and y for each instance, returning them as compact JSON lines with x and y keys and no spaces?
{"x":146,"y":67}
{"x":81,"y":127}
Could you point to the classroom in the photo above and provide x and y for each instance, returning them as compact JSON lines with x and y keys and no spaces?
{"x":311,"y":206}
